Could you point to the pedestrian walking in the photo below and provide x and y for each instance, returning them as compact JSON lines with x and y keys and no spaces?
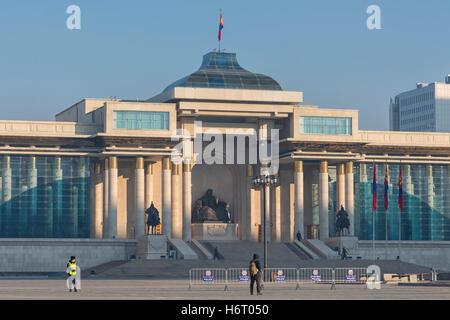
{"x":255,"y":275}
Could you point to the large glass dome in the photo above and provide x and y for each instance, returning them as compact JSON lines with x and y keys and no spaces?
{"x":221,"y":70}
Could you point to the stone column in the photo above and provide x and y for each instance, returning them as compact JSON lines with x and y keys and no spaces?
{"x":277,"y":213}
{"x":49,"y":219}
{"x":6,"y":188}
{"x":323,"y":200}
{"x":139,"y":229}
{"x":429,"y":186}
{"x":349,"y":192}
{"x":177,"y":218}
{"x":340,"y":181}
{"x":187,"y":201}
{"x":252,"y":232}
{"x":166,"y":198}
{"x":32,"y":186}
{"x":106,"y":199}
{"x":57,"y":186}
{"x":98,"y":196}
{"x":112,"y":198}
{"x":148,"y":185}
{"x":80,"y":193}
{"x":298,"y":200}
{"x":74,"y":218}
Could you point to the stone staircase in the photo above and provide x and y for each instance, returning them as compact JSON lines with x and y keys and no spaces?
{"x":237,"y":254}
{"x":179,"y":269}
{"x":298,"y":251}
{"x":102,"y":268}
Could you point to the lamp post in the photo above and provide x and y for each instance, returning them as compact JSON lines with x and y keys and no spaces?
{"x":265,"y":181}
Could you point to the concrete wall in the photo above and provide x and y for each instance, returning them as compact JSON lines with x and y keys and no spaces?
{"x":46,"y":129}
{"x":81,"y":112}
{"x":432,"y":254}
{"x":51,"y":255}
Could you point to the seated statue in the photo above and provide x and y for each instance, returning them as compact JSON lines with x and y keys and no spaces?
{"x":210,"y":208}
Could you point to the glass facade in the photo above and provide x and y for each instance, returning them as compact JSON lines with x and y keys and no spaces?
{"x":326,"y":125}
{"x":141,"y":120}
{"x":44,"y":197}
{"x":222,"y":70}
{"x":426,"y":203}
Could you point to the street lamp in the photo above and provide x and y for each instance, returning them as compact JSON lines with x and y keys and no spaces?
{"x":265,"y":181}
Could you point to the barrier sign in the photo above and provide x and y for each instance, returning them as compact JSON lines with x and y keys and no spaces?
{"x":244,"y":276}
{"x":350,"y":276}
{"x":280,"y":277}
{"x":208,"y":276}
{"x":315,"y":276}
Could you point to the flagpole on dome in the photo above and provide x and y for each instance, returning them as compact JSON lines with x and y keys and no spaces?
{"x":220,"y":28}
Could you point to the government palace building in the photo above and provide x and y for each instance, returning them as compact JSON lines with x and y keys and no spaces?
{"x":82,"y":184}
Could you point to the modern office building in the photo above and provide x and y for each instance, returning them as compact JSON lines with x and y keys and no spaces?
{"x":425,"y":109}
{"x":84,"y":181}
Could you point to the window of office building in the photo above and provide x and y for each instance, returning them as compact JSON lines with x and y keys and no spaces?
{"x":426,"y":204}
{"x":141,"y":120}
{"x":44,"y":197}
{"x":326,"y":125}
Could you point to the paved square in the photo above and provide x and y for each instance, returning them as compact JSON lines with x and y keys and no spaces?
{"x":178,"y":289}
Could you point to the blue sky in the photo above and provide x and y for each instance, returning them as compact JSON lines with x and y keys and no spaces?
{"x":134,"y":49}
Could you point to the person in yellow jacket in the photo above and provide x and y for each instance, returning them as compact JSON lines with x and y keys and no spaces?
{"x":73,"y":271}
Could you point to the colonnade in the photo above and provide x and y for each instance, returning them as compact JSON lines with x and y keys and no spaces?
{"x":175,"y":220}
{"x":175,"y":213}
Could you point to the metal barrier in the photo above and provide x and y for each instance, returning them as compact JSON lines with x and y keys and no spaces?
{"x":238,"y":276}
{"x":350,"y":275}
{"x":315,"y":276}
{"x":280,"y":276}
{"x":208,"y":277}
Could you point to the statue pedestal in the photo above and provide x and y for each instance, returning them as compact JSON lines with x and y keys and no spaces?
{"x":152,"y":247}
{"x":349,"y":242}
{"x":211,"y":231}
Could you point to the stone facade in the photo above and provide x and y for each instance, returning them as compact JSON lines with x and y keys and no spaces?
{"x":129,"y":146}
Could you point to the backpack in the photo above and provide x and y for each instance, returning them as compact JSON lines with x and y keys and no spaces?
{"x":253,"y":269}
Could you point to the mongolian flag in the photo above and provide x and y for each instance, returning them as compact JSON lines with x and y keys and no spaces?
{"x":220,"y":25}
{"x":386,"y":189}
{"x":374,"y":187}
{"x":400,"y":189}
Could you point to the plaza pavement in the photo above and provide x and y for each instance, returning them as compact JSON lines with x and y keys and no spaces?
{"x":125,"y":289}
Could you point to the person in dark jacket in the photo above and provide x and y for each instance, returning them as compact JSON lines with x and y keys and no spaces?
{"x":216,"y":254}
{"x":255,"y":274}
